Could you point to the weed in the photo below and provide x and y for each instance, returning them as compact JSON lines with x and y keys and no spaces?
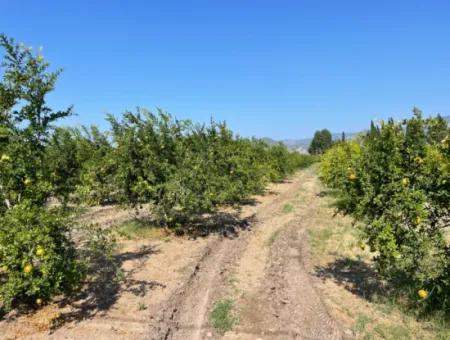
{"x":138,"y":229}
{"x":273,"y":237}
{"x":222,"y":317}
{"x":369,"y":336}
{"x":288,"y":208}
{"x":394,"y":332}
{"x":361,"y":323}
{"x":318,"y":239}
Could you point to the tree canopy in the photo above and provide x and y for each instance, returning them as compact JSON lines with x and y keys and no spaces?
{"x":321,"y":142}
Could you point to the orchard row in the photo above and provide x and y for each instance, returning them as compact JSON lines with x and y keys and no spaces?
{"x":395,"y":179}
{"x":179,"y":169}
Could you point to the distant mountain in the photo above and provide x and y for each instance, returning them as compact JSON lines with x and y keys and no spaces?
{"x":269,"y":141}
{"x":302,"y":145}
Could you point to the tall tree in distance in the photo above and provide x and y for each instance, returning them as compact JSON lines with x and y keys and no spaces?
{"x":321,"y":142}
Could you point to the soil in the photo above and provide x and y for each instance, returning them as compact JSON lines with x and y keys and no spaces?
{"x":262,"y":264}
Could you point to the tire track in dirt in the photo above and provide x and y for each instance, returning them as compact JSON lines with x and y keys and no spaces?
{"x":264,"y":269}
{"x":274,"y":290}
{"x":285,"y":304}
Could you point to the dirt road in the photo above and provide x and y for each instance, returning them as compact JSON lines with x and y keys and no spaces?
{"x":264,"y":271}
{"x":172,"y":285}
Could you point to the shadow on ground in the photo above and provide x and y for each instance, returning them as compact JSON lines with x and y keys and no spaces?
{"x":338,"y":202}
{"x":356,"y":276}
{"x":105,"y":286}
{"x":226,"y":224}
{"x":108,"y":281}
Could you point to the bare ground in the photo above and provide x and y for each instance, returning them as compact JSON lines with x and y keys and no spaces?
{"x":172,"y":285}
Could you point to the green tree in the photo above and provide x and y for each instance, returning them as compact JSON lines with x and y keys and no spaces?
{"x":321,"y":142}
{"x":396,"y":183}
{"x":26,"y":124}
{"x":37,"y":256}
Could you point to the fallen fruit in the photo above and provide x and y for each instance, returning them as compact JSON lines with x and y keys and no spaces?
{"x":352,"y":177}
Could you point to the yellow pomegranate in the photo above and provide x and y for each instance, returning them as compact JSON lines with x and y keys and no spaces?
{"x":39,"y":302}
{"x":418,"y":220}
{"x":418,"y":160}
{"x":40,"y":251}
{"x":405,"y":182}
{"x":27,"y":181}
{"x":5,"y":158}
{"x":352,"y":177}
{"x":423,"y":294}
{"x":28,"y":268}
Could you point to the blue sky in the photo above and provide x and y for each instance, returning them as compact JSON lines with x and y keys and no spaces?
{"x":269,"y":68}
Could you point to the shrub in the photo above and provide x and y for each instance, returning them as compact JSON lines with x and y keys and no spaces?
{"x":337,"y":164}
{"x":96,"y":184}
{"x":186,"y":170}
{"x":37,"y":257}
{"x":64,"y":165}
{"x":397,"y":184}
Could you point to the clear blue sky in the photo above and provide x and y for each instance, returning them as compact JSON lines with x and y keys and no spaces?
{"x":269,"y":68}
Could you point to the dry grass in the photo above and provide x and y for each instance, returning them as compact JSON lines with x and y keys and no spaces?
{"x":354,"y":294}
{"x":43,"y":320}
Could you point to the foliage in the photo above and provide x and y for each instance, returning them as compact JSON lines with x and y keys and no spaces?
{"x":25,"y":125}
{"x":38,"y":259}
{"x":63,"y":163}
{"x":337,"y":162}
{"x":37,"y":256}
{"x":97,"y":167}
{"x":322,"y":141}
{"x":396,"y":182}
{"x":185,"y":170}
